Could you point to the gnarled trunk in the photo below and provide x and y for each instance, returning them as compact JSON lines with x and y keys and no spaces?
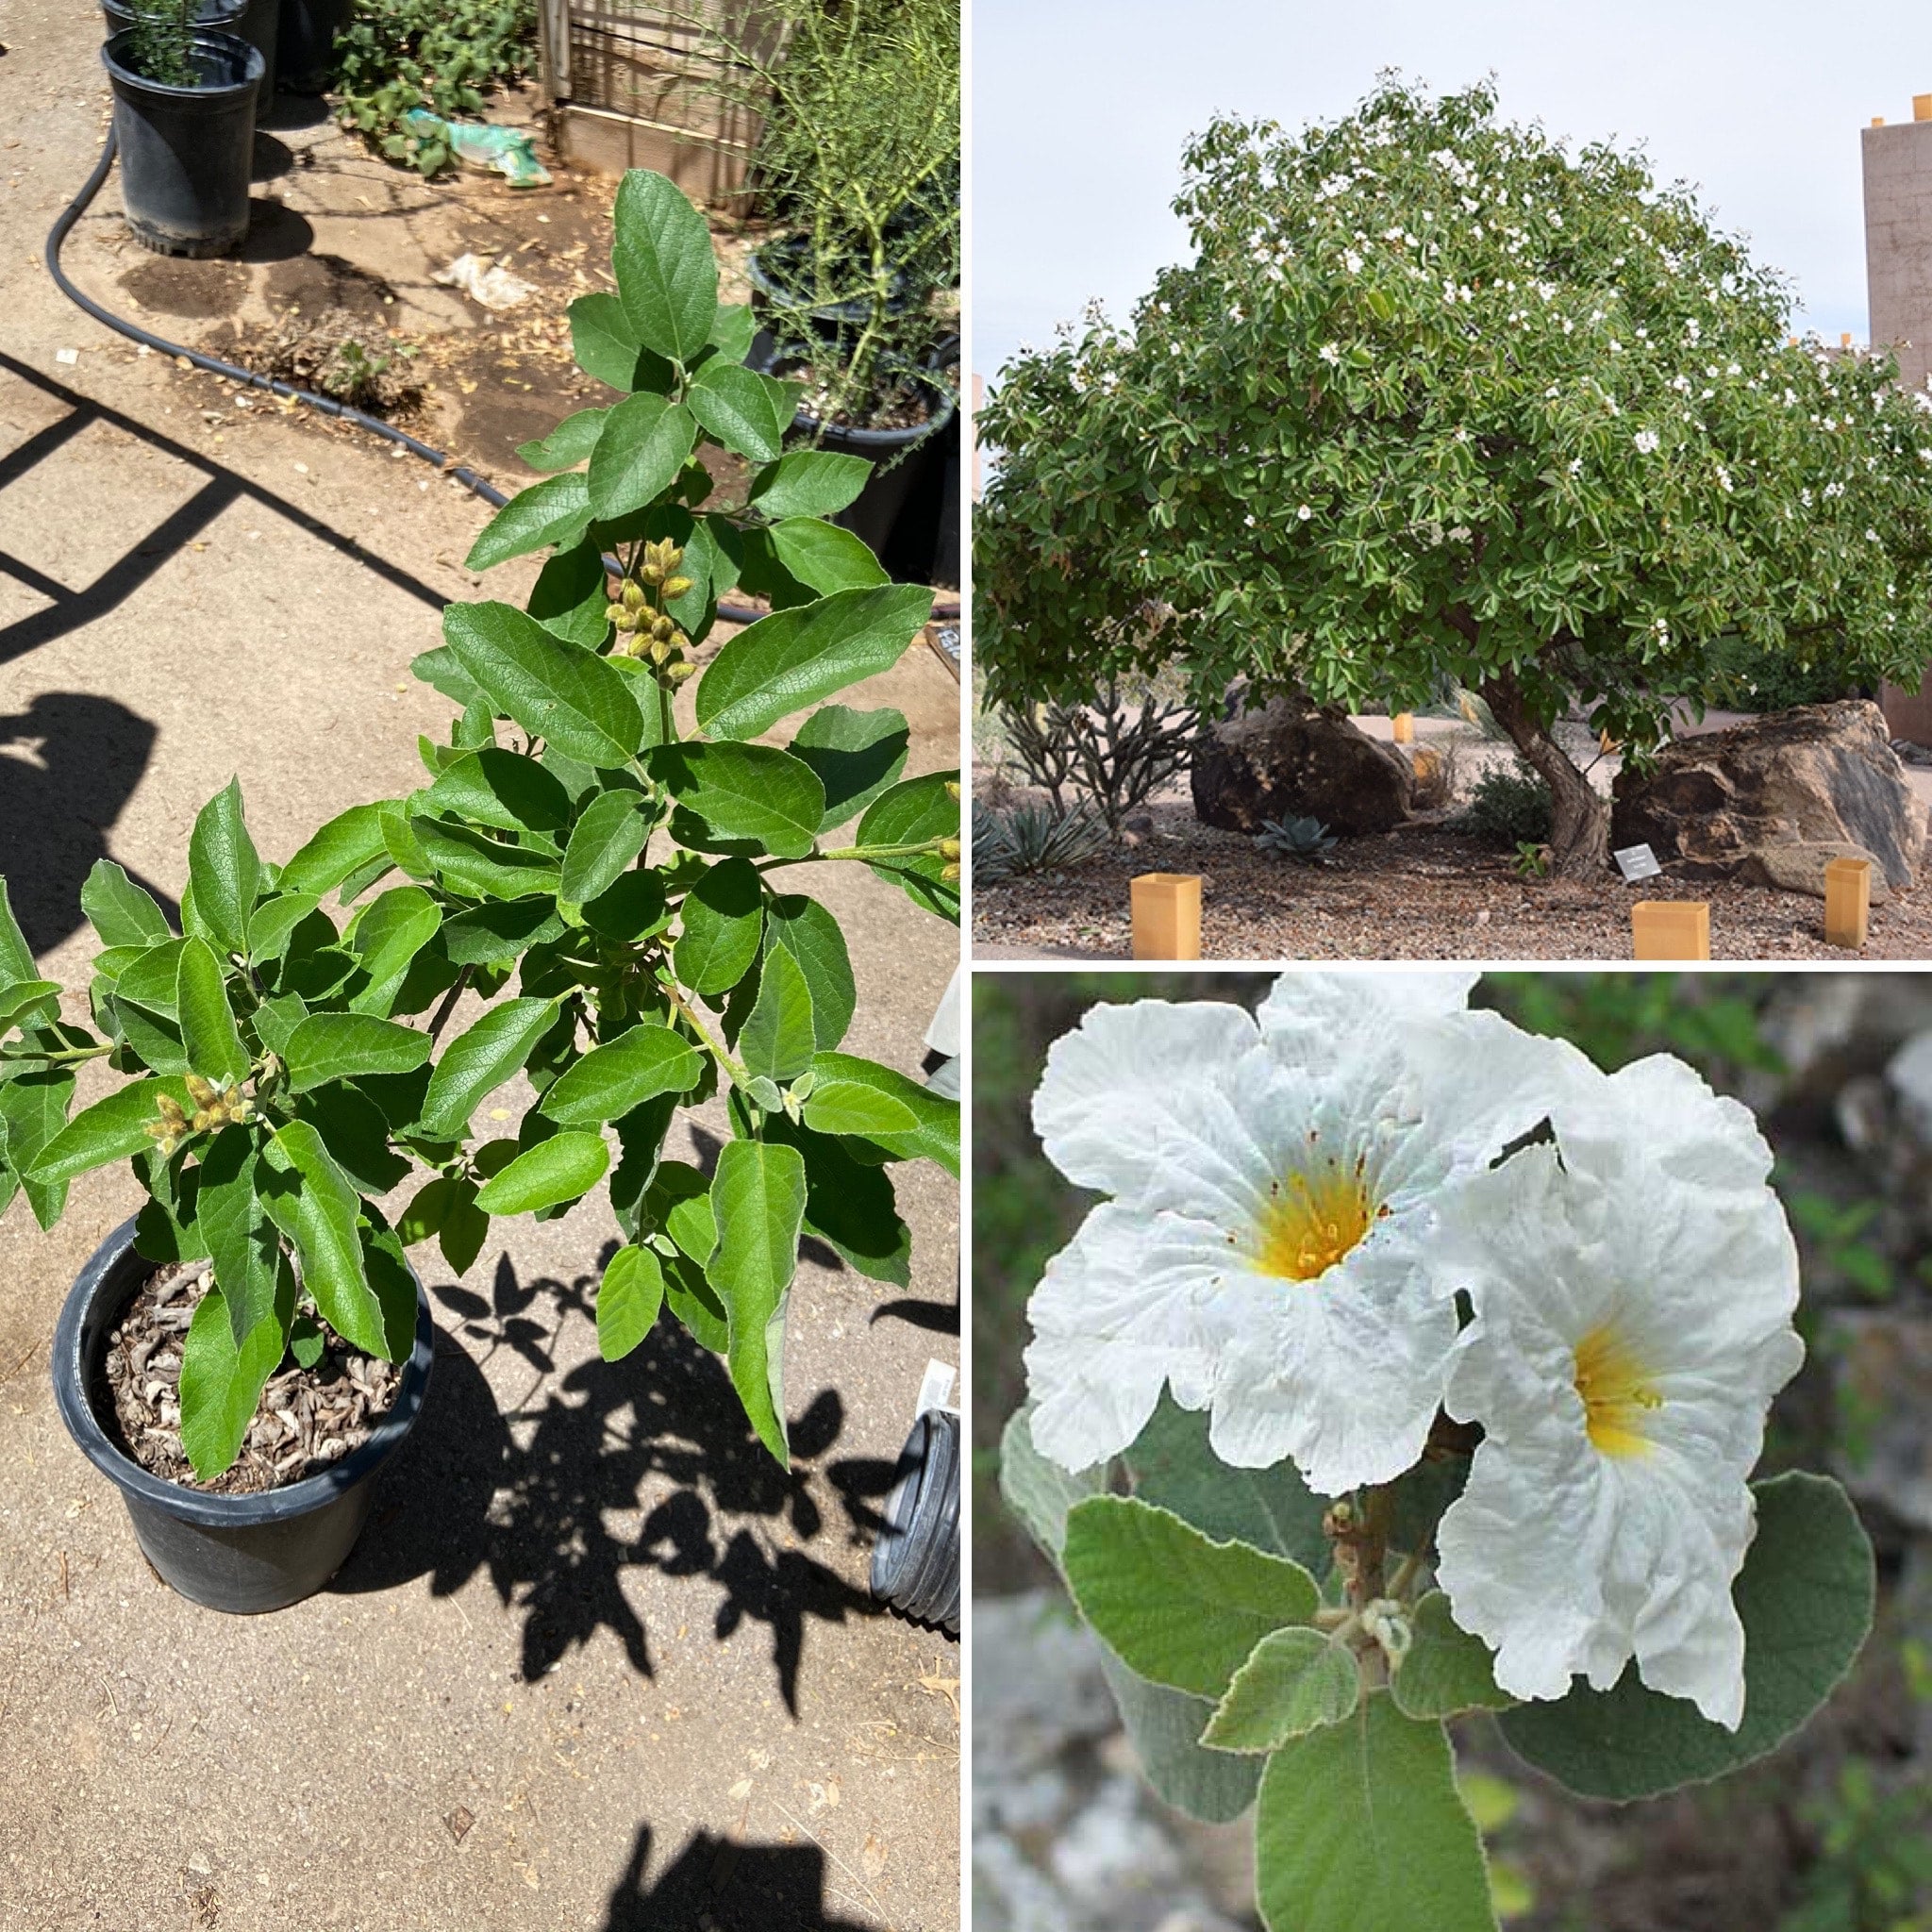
{"x":1580,"y":823}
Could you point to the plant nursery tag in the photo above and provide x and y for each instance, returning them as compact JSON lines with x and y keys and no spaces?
{"x":1636,"y":862}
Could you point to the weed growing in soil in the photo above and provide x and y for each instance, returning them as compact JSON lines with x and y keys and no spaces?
{"x":574,"y":837}
{"x":1510,"y":804}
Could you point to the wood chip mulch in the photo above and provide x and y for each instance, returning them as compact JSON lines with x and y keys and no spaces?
{"x":1423,"y":892}
{"x":307,"y":1418}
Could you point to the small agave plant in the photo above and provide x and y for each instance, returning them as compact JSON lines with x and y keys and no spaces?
{"x":1307,"y":840}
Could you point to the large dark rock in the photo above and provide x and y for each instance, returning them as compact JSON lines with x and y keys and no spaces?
{"x":1770,"y":801}
{"x":1292,"y":759}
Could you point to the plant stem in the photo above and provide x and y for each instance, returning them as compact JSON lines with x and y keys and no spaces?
{"x":449,"y":1002}
{"x":60,"y":1052}
{"x":675,"y":995}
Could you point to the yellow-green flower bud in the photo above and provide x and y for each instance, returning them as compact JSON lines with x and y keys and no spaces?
{"x":953,"y":789}
{"x":676,"y":587}
{"x":663,"y":627}
{"x":203,"y":1094}
{"x":677,"y":673}
{"x":949,"y":848}
{"x":949,"y":874}
{"x":633,"y":593}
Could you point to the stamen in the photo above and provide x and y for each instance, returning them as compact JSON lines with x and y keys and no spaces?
{"x":1311,"y":1221}
{"x":1618,"y":1398}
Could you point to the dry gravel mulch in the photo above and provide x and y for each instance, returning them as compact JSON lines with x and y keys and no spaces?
{"x":1423,"y":892}
{"x":307,"y":1418}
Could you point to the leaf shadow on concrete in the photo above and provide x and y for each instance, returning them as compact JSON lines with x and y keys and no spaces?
{"x":658,"y":1440}
{"x":776,"y":1888}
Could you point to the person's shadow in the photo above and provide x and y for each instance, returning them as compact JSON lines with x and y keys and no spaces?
{"x":69,"y":763}
{"x":776,"y":1888}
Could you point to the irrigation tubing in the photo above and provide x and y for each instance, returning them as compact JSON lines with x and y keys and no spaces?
{"x":229,"y":371}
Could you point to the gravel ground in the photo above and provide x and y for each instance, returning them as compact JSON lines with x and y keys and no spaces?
{"x":1423,"y":892}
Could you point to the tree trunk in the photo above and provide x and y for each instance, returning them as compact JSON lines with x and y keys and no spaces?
{"x":1580,"y":823}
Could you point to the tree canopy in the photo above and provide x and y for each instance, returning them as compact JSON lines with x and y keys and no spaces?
{"x":1434,"y":403}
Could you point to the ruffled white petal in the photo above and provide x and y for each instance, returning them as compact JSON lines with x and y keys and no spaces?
{"x":1317,"y":1019}
{"x":1111,"y":1082}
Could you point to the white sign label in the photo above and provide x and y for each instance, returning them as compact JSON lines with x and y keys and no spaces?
{"x":1636,"y":862}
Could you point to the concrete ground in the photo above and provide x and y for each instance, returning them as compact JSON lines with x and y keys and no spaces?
{"x":597,"y":1661}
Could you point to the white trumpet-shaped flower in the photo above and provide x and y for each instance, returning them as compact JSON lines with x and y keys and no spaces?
{"x":1633,"y":1288}
{"x":1271,"y":1254}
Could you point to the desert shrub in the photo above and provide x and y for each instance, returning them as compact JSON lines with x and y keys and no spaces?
{"x":1509,"y":804}
{"x":1433,"y":768}
{"x":1030,"y":840}
{"x":1117,"y":751}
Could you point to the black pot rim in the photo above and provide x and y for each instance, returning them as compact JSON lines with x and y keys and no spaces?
{"x":253,"y":67}
{"x":871,"y":438}
{"x":71,"y":1375}
{"x":211,"y":23}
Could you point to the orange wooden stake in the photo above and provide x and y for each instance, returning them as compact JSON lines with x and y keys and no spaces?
{"x":1402,"y":725}
{"x":1166,"y":915}
{"x":1669,"y":929}
{"x":1847,"y":902}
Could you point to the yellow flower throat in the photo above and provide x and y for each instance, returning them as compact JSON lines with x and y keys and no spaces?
{"x":1618,"y":1400}
{"x":1311,"y":1221}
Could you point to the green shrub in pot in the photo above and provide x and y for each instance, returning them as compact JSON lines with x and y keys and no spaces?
{"x":614,"y":889}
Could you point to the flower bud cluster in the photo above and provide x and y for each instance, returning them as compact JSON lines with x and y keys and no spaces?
{"x":217,"y":1103}
{"x":645,"y":629}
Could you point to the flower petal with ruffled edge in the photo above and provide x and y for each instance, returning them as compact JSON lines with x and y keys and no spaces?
{"x":1633,"y":1305}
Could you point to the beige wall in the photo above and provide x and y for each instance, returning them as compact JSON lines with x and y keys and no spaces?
{"x":1898,"y":243}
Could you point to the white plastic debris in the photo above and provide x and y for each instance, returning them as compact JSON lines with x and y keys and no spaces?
{"x":495,"y":288}
{"x":70,"y":357}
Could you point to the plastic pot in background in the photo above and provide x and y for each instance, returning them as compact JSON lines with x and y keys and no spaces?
{"x":915,"y":1562}
{"x":306,"y":53}
{"x":241,"y":1553}
{"x":898,"y":456}
{"x":255,"y":21}
{"x":186,"y":152}
{"x":775,"y":273}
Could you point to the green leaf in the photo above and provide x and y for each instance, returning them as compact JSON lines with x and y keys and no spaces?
{"x":777,"y":1039}
{"x":855,"y":754}
{"x":274,"y":923}
{"x":934,"y":1136}
{"x":566,"y":445}
{"x":475,"y":863}
{"x":723,"y":919}
{"x":465,"y":1228}
{"x":734,"y":329}
{"x":1294,"y":1682}
{"x":629,"y":1299}
{"x":110,"y":1129}
{"x":478,"y":1060}
{"x":558,"y":1169}
{"x":222,"y":1384}
{"x":558,"y":692}
{"x":794,"y":657}
{"x":667,"y":275}
{"x":33,"y":1108}
{"x":223,"y":870}
{"x":604,"y":345}
{"x":632,"y":908}
{"x":610,"y":1079}
{"x":1805,"y":1596}
{"x":747,"y":412}
{"x":504,"y":789}
{"x":572,"y":594}
{"x":441,"y":669}
{"x":153,"y":981}
{"x":313,"y":1203}
{"x":16,"y":959}
{"x":428,"y":1209}
{"x":603,"y":843}
{"x":119,"y":911}
{"x":233,"y":1226}
{"x":643,"y":446}
{"x":1360,"y":1828}
{"x":917,"y":809}
{"x":811,"y":936}
{"x":556,"y":510}
{"x":32,"y":999}
{"x":827,"y":559}
{"x":758,"y":1195}
{"x":1446,"y":1670}
{"x":850,"y":1204}
{"x":845,"y":1107}
{"x":349,"y":841}
{"x":388,"y":938}
{"x":208,"y":1037}
{"x":746,"y":792}
{"x":495,"y":933}
{"x":809,"y":483}
{"x":1175,"y":1606}
{"x":1173,"y":1468}
{"x":339,"y":1047}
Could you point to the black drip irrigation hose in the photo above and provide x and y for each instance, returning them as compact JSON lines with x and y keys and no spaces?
{"x":329,"y":406}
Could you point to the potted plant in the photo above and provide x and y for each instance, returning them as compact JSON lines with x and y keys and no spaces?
{"x":255,"y":21}
{"x":619,"y":859}
{"x":859,"y":160}
{"x":184,"y":123}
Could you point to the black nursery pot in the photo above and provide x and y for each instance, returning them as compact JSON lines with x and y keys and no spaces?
{"x":306,"y":54}
{"x":186,"y":151}
{"x":915,"y":1562}
{"x":242,"y":1554}
{"x":255,"y":21}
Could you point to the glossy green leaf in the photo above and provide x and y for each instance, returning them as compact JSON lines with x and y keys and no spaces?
{"x":345,"y":844}
{"x":858,"y":754}
{"x":1295,"y":1681}
{"x":794,"y":657}
{"x":1175,"y":1606}
{"x":849,"y":1204}
{"x":477,"y":864}
{"x":313,"y":1203}
{"x":603,"y":843}
{"x":504,"y":789}
{"x":827,"y":559}
{"x":154,"y":980}
{"x":630,"y":909}
{"x":558,"y":692}
{"x":809,"y":483}
{"x":16,"y":958}
{"x":556,"y":510}
{"x":340,"y":1046}
{"x":572,"y":594}
{"x":1446,"y":1670}
{"x":222,"y":1384}
{"x":1360,"y":1828}
{"x":629,"y":1299}
{"x":33,"y":1108}
{"x":936,"y":1134}
{"x":723,"y":919}
{"x":811,"y":936}
{"x":497,"y":933}
{"x":478,"y":1060}
{"x":667,"y":275}
{"x":777,"y":1039}
{"x":208,"y":1036}
{"x":31,"y":999}
{"x":235,"y":1229}
{"x":222,"y":869}
{"x":111,"y":1129}
{"x":388,"y":937}
{"x":558,"y":1169}
{"x":758,"y":1195}
{"x":119,"y":910}
{"x":275,"y":922}
{"x":747,"y":412}
{"x":609,"y":1080}
{"x":566,"y":445}
{"x":645,"y":444}
{"x":845,"y":1107}
{"x":604,"y":345}
{"x":734,"y":330}
{"x":746,"y":792}
{"x":911,"y":814}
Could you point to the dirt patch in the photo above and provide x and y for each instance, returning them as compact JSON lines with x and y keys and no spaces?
{"x":307,"y":1419}
{"x":1424,"y":891}
{"x":314,"y":283}
{"x":175,"y":285}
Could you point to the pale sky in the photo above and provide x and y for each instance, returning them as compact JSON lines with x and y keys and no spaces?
{"x":1080,"y":112}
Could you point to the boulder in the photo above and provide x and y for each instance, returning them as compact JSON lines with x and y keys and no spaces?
{"x":1771,"y":800}
{"x":1292,"y":759}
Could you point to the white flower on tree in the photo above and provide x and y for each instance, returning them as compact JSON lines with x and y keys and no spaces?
{"x":1633,"y":1288}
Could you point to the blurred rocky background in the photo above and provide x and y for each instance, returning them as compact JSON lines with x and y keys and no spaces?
{"x":1831,"y":1834}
